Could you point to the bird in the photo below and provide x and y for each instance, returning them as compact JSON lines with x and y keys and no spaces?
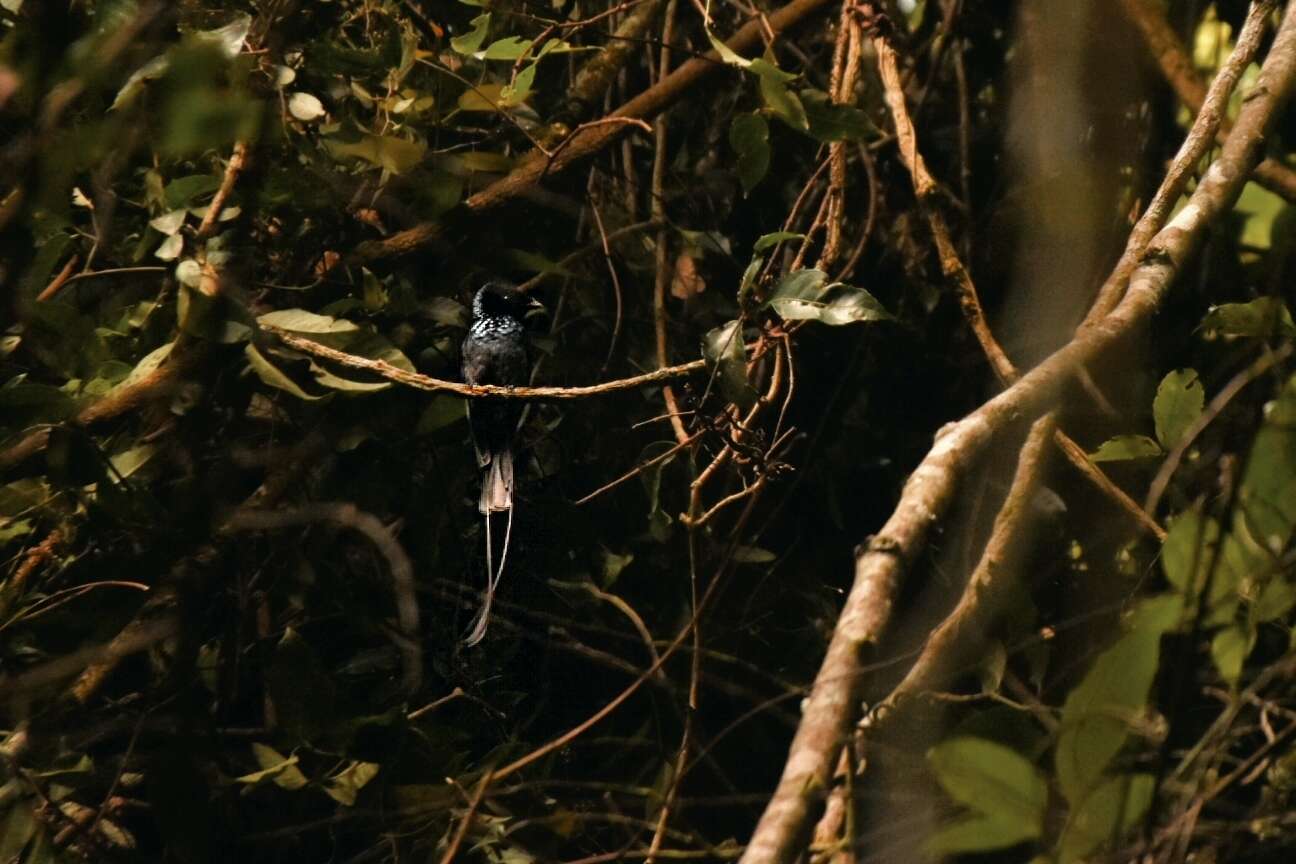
{"x":494,"y":352}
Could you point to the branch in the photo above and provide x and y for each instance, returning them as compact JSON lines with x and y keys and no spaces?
{"x":434,"y":385}
{"x":960,"y":640}
{"x":591,"y":138}
{"x":833,"y":704}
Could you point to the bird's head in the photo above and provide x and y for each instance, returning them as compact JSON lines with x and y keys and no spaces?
{"x":504,"y":299}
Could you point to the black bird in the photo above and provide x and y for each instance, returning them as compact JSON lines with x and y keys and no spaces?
{"x":494,"y":352}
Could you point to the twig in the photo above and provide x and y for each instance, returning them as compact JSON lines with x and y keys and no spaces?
{"x":462,"y":831}
{"x":58,"y":281}
{"x":661,"y":252}
{"x":638,"y":469}
{"x":616,"y":284}
{"x":237,"y":160}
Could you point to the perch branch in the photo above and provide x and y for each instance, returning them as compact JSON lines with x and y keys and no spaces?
{"x":434,"y":385}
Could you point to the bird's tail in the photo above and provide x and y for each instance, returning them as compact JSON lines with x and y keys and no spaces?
{"x":497,"y":484}
{"x":493,"y":575}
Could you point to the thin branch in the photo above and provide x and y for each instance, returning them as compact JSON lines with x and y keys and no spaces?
{"x":435,"y":385}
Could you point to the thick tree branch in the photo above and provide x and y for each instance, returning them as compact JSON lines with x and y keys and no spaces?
{"x":833,"y":704}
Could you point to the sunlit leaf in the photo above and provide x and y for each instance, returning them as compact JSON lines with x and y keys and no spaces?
{"x":275,"y":766}
{"x":781,"y":101}
{"x":1179,"y":402}
{"x":1005,"y":791}
{"x":468,"y":43}
{"x":1099,"y":712}
{"x":302,"y":321}
{"x":1229,"y":650}
{"x":305,"y":106}
{"x":272,"y":375}
{"x":396,"y":155}
{"x":1261,"y":318}
{"x":1125,"y":447}
{"x":344,"y":786}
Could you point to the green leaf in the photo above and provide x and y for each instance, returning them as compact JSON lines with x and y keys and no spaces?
{"x":805,"y":295}
{"x":979,"y":833}
{"x":831,"y":122}
{"x":727,"y":358}
{"x":470,"y":42}
{"x":1267,"y":496}
{"x":275,"y":766}
{"x":393,"y":154}
{"x":753,"y":555}
{"x":1277,"y":598}
{"x":1229,"y":650}
{"x":1186,"y":553}
{"x":613,"y":565}
{"x":508,"y":48}
{"x":1125,"y":447}
{"x":727,"y":54}
{"x":749,"y":138}
{"x":344,"y":786}
{"x":1113,"y":809}
{"x":781,"y":102}
{"x":1259,"y":319}
{"x":273,"y":376}
{"x":302,"y":321}
{"x":1259,"y":209}
{"x":1098,"y":713}
{"x":1003,"y":788}
{"x":17,"y":830}
{"x":1179,"y":401}
{"x":183,"y":191}
{"x":491,"y":97}
{"x":765,"y":241}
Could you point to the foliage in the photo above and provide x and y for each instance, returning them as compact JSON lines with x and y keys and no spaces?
{"x":185,"y":182}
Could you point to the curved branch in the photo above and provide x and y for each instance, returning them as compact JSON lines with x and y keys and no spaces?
{"x":434,"y":385}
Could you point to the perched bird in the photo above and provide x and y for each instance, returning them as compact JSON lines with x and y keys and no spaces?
{"x":494,"y":352}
